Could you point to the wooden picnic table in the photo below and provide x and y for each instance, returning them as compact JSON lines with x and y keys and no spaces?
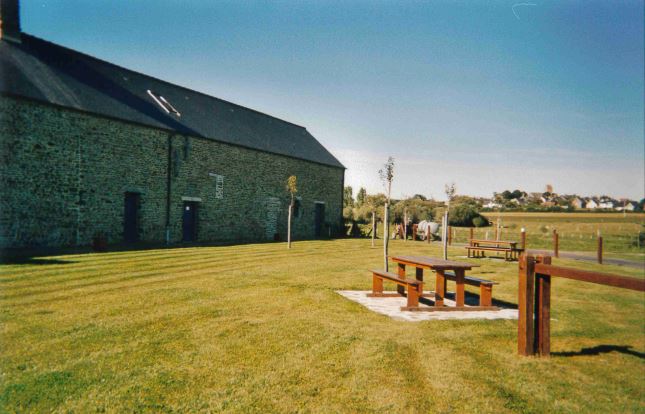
{"x":477,"y":242}
{"x":509,"y":247}
{"x":440,"y":266}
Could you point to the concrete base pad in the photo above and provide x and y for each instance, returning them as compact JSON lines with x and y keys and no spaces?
{"x":391,"y":306}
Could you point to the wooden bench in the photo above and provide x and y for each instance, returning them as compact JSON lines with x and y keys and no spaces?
{"x":509,"y":253}
{"x":485,"y":287}
{"x":414,"y":287}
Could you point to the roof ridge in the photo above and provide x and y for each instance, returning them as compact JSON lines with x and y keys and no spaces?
{"x":160,"y":80}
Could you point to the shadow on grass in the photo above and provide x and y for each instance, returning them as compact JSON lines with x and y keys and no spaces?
{"x":601,"y":349}
{"x":471,"y":299}
{"x":33,"y":261}
{"x":31,"y":255}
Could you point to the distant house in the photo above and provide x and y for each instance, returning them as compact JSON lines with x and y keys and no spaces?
{"x":549,"y":200}
{"x":578,"y":202}
{"x":627,"y":205}
{"x":492,"y":204}
{"x":591,"y":203}
{"x":607,"y":203}
{"x":631,"y":206}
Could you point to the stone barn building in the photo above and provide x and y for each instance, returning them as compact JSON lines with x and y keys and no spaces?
{"x":90,"y":148}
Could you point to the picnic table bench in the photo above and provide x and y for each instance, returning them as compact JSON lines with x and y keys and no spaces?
{"x":414,"y":287}
{"x":478,"y":247}
{"x":444,"y":271}
{"x":485,"y":287}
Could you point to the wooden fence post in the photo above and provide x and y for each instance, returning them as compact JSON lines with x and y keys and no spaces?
{"x":543,"y":311}
{"x":599,"y":248}
{"x":471,"y":235}
{"x":525,"y":301}
{"x":556,"y":243}
{"x":523,"y":239}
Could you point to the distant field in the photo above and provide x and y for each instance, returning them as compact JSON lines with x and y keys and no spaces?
{"x":259,"y":328}
{"x":578,"y":231}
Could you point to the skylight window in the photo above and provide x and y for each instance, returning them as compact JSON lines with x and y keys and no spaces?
{"x":163,"y":103}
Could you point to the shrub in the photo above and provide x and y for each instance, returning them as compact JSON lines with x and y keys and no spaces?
{"x":462,"y":215}
{"x":480,"y":222}
{"x":641,"y":239}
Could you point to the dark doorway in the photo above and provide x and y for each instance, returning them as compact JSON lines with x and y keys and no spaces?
{"x":131,"y":218}
{"x":319,"y":219}
{"x":190,"y":221}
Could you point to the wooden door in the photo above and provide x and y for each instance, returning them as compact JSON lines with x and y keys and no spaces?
{"x":319,"y":219}
{"x":189,"y":222}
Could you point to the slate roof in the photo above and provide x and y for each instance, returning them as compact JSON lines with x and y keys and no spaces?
{"x":43,"y":71}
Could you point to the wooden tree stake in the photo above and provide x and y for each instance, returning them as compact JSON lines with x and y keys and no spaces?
{"x":386,"y":236}
{"x":405,"y":226}
{"x":289,"y":229}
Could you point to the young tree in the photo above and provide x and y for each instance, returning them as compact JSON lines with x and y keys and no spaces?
{"x":292,"y":188}
{"x":361,"y":197}
{"x":450,"y":194}
{"x":387,"y":175}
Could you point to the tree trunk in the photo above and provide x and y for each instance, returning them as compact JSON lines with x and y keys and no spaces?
{"x":405,"y":226}
{"x":386,"y":236}
{"x":373,"y":227}
{"x":444,"y":237}
{"x":289,"y":229}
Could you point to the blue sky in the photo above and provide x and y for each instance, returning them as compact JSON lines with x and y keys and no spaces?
{"x":491,"y":95}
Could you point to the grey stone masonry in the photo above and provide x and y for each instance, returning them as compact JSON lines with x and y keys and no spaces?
{"x":64,"y":175}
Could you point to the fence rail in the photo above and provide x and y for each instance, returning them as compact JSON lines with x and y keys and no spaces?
{"x":534,"y":299}
{"x":607,"y":279}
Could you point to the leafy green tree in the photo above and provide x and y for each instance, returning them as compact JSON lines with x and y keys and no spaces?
{"x":348,"y":197}
{"x":641,"y":205}
{"x":417,"y":209}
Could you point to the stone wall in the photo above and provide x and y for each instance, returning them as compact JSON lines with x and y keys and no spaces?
{"x":64,"y":175}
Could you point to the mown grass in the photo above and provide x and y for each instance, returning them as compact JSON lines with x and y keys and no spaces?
{"x":258,"y":328}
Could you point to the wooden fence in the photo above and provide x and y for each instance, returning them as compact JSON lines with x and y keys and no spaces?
{"x":534,"y":299}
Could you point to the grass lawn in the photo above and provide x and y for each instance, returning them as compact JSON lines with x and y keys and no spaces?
{"x":258,"y":328}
